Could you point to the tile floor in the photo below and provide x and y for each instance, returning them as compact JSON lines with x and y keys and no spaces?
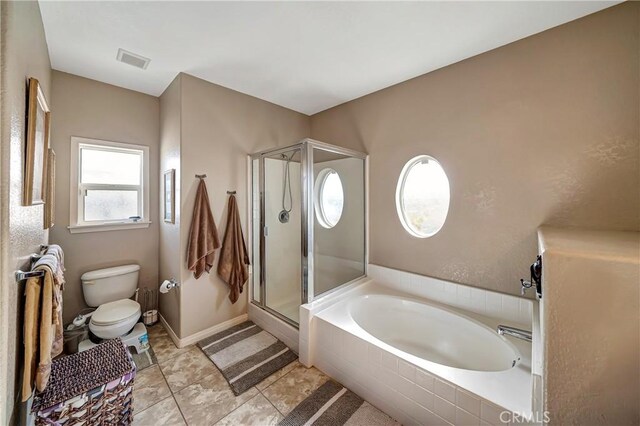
{"x":185,"y":388}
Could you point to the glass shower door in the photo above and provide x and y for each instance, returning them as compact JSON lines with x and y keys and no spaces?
{"x":282,"y":233}
{"x":339,"y":230}
{"x":308,"y":232}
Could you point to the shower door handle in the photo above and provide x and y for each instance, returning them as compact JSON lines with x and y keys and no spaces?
{"x":266,"y":231}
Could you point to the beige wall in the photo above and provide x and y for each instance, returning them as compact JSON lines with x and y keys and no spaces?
{"x":220,"y":127}
{"x":590,"y":331}
{"x":87,"y":108}
{"x":23,"y":54}
{"x":541,"y":131}
{"x":170,"y":246}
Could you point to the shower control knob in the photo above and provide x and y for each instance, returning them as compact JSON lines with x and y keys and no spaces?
{"x":283,"y":216}
{"x":525,"y":285}
{"x":536,"y":278}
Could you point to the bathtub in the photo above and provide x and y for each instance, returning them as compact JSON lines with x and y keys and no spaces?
{"x":419,"y":360}
{"x":433,"y":333}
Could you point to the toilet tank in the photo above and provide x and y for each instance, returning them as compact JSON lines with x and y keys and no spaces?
{"x":110,"y":284}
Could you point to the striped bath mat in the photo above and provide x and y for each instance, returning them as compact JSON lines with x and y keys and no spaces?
{"x":331,"y":405}
{"x":246,"y":354}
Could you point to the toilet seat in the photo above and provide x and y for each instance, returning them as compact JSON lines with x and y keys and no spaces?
{"x":116,"y":312}
{"x":114,"y":319}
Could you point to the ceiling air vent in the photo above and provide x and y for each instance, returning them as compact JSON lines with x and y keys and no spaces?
{"x":133,"y":59}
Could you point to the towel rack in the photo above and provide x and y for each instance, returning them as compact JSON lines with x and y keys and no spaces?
{"x":22,"y":275}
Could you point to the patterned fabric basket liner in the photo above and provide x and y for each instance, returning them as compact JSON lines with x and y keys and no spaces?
{"x":94,"y":387}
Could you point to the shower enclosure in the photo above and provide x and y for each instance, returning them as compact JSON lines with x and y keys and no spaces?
{"x":309,"y":230}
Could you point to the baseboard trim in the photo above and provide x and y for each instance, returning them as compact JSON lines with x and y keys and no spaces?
{"x":174,"y":337}
{"x":203,"y":334}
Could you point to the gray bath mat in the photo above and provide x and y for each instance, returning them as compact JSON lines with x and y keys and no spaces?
{"x":144,"y":360}
{"x":331,"y":405}
{"x":246,"y":354}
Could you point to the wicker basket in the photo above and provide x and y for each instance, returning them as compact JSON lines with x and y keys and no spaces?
{"x":94,"y":387}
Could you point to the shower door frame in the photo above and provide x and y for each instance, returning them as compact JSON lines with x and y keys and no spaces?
{"x":307,"y":182}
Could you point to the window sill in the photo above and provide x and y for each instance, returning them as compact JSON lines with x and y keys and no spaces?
{"x":81,"y":229}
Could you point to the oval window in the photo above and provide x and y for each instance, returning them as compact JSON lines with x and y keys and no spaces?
{"x":422,"y":196}
{"x":329,"y":198}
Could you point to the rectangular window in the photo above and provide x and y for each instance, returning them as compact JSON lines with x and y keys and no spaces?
{"x":111,"y":183}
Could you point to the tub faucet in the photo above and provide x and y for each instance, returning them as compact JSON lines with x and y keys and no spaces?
{"x":505,"y":330}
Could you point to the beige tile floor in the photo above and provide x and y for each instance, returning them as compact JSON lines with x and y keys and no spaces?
{"x":185,"y":388}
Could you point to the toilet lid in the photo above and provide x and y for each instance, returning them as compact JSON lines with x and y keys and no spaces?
{"x":114,"y":312}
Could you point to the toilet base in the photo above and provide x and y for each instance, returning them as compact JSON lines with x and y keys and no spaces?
{"x":137,"y":337}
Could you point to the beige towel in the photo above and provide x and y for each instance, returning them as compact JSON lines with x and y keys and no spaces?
{"x":203,"y":235}
{"x":43,"y":329}
{"x":232,"y":266}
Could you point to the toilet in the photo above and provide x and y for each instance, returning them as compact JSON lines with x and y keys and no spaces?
{"x":109,"y":290}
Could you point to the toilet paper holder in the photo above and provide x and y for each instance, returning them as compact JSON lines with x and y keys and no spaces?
{"x":168,"y":285}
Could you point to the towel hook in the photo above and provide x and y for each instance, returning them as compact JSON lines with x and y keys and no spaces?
{"x":201,"y":176}
{"x":231,"y":192}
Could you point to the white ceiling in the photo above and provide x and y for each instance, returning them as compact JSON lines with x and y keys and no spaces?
{"x":307,"y":56}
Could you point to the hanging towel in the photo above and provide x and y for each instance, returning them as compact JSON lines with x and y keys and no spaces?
{"x":232,"y":266}
{"x":56,"y":250}
{"x":203,"y":235}
{"x":43,"y":329}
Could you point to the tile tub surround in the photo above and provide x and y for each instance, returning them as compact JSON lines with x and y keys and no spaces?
{"x":516,"y":311}
{"x":477,"y":300}
{"x":408,"y":388}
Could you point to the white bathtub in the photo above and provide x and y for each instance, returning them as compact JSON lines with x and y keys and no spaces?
{"x":433,"y":333}
{"x":418,"y":360}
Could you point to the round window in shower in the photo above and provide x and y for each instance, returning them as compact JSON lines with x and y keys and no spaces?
{"x":422,"y":196}
{"x":329,"y":198}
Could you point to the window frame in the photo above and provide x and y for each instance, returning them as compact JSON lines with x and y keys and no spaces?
{"x":323,"y":175}
{"x":77,"y":224}
{"x":400,"y":208}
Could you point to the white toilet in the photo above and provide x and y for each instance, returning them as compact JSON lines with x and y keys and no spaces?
{"x":116,"y":315}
